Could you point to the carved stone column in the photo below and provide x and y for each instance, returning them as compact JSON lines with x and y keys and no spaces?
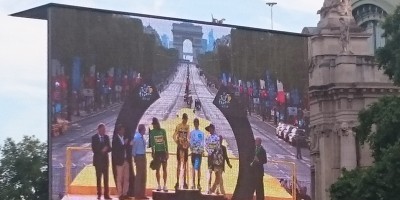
{"x":315,"y":167}
{"x":348,"y":155}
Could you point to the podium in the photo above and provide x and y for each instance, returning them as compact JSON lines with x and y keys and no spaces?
{"x":185,"y":194}
{"x":188,"y":194}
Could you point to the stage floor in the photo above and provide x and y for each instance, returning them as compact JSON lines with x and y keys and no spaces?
{"x":88,"y":197}
{"x":84,"y":183}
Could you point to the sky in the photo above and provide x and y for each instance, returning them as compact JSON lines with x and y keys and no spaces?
{"x":23,"y":46}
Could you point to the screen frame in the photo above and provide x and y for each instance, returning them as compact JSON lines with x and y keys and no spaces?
{"x":43,"y":12}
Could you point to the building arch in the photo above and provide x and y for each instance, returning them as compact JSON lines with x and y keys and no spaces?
{"x":187,"y":31}
{"x":387,"y":6}
{"x":370,"y":14}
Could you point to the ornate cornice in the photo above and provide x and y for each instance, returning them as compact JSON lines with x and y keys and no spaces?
{"x":332,"y":90}
{"x":329,"y":60}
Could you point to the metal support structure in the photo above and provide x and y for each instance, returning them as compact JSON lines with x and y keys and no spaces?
{"x":68,"y":165}
{"x":294,"y":182}
{"x":67,"y":170}
{"x":271,"y":4}
{"x":294,"y":176}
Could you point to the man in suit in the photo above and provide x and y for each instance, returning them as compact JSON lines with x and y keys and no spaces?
{"x":121,"y":158}
{"x":101,"y":147}
{"x":260,"y":158}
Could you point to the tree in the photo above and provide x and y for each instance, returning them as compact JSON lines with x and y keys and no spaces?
{"x":254,"y":53}
{"x":379,"y":127}
{"x":24,"y":169}
{"x":389,"y":56}
{"x":379,"y":181}
{"x":343,"y":189}
{"x":385,"y":115}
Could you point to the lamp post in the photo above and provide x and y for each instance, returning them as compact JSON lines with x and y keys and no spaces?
{"x":271,"y":4}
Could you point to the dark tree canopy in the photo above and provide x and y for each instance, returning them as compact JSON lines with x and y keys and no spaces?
{"x":389,"y":56}
{"x":379,"y":181}
{"x":23,"y":169}
{"x":106,"y":41}
{"x":252,"y":53}
{"x":385,"y":115}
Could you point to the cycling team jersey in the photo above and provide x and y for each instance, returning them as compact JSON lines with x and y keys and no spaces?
{"x":181,"y":135}
{"x":197,"y":141}
{"x":212,"y":143}
{"x":158,"y":139}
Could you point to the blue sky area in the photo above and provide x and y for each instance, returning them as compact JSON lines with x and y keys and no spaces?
{"x":23,"y":46}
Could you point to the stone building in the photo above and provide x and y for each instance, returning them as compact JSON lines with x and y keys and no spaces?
{"x":370,"y":14}
{"x":343,"y":79}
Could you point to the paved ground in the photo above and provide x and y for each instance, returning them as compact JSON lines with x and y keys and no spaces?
{"x":167,"y":106}
{"x":277,"y":149}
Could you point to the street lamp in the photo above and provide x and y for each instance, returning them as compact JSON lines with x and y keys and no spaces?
{"x":271,"y":4}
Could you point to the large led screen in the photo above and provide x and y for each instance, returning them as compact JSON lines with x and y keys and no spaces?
{"x":125,"y":69}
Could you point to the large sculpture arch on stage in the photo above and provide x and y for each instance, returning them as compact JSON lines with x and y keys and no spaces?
{"x":234,"y":111}
{"x":135,"y":105}
{"x":187,"y":31}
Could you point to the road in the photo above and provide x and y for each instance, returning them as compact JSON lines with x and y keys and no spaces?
{"x":277,"y":149}
{"x":80,"y":132}
{"x":171,"y":100}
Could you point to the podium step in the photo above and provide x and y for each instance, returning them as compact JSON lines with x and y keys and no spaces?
{"x":185,"y":195}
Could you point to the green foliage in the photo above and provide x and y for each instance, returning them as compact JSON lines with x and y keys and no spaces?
{"x":382,"y":180}
{"x":252,"y":53}
{"x":210,"y":65}
{"x":164,"y":64}
{"x":344,"y":188}
{"x":107,"y":41}
{"x":23,"y":170}
{"x":385,"y":115}
{"x":104,"y":40}
{"x":377,"y":182}
{"x":389,"y":56}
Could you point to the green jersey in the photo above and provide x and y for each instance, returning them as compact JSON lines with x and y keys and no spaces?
{"x":158,"y":140}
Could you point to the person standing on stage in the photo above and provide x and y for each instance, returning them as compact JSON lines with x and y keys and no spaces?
{"x":260,"y":158}
{"x":212,"y":143}
{"x":197,"y":142}
{"x":181,"y":137}
{"x":120,"y":158}
{"x":219,"y":167}
{"x":139,"y":155}
{"x":101,"y":147}
{"x":159,"y":151}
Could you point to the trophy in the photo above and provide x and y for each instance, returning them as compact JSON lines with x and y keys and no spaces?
{"x":255,"y":157}
{"x":254,"y":160}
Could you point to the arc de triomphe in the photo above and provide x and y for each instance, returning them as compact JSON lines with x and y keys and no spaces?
{"x":184,"y":31}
